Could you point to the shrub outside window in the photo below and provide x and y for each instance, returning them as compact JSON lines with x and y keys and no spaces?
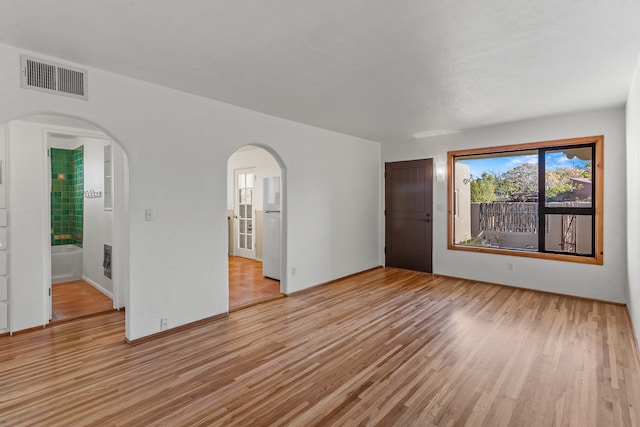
{"x":540,"y":200}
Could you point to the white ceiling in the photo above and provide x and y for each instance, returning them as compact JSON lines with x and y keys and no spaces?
{"x":379,"y":69}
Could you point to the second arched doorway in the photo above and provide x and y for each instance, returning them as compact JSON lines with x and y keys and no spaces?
{"x":256,"y":228}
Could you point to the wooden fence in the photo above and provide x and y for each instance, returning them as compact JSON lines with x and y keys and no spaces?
{"x":517,"y":217}
{"x":522,"y":217}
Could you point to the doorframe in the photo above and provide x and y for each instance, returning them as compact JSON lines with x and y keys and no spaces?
{"x":236,"y":220}
{"x":383,"y":190}
{"x":284,"y":262}
{"x":119,"y":211}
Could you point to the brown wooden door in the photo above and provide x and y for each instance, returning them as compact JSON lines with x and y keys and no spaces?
{"x":408,"y":214}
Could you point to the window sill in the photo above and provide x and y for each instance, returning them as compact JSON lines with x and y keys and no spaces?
{"x":597,"y":260}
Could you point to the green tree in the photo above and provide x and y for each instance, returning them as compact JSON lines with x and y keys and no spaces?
{"x":520,"y":182}
{"x":483,"y":189}
{"x":558,"y":181}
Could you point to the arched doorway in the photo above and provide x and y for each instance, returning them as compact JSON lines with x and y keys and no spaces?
{"x":36,"y":216}
{"x":256,"y":224}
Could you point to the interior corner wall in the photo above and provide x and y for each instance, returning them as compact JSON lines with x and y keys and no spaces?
{"x":605,"y":282}
{"x":98,"y":222}
{"x":120,"y":264}
{"x":177,"y":146}
{"x":633,"y":198}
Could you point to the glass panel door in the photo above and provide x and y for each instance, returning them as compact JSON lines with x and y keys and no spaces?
{"x":245,"y":230}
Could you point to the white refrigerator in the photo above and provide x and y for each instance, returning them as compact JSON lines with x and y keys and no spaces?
{"x":271,"y":228}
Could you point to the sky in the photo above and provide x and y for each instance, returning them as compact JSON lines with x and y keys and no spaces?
{"x":500,"y":165}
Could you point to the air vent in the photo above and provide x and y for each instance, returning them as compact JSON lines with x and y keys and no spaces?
{"x":55,"y":78}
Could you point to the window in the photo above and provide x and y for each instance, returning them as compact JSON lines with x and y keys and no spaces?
{"x":540,"y":200}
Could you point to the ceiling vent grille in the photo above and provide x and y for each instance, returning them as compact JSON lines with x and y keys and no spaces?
{"x":50,"y":77}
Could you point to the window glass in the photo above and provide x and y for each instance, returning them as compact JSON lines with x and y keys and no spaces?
{"x":535,"y":199}
{"x":497,"y":200}
{"x":568,"y":177}
{"x":569,"y":234}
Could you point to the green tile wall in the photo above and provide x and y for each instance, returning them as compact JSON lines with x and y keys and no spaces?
{"x":67,"y":196}
{"x":77,"y":195}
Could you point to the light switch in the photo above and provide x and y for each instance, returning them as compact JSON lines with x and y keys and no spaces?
{"x":148,"y":214}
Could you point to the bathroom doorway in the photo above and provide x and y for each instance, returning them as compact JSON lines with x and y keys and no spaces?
{"x":81,"y":223}
{"x":255,"y":227}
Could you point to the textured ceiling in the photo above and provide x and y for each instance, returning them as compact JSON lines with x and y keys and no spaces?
{"x":378,"y":69}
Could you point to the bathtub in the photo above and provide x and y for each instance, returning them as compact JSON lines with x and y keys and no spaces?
{"x":66,"y":263}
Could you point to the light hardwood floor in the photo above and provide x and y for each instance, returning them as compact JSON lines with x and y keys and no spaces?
{"x":386,"y":347}
{"x":247,"y":285}
{"x":77,"y":298}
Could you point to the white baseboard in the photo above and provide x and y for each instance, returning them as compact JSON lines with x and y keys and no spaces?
{"x":98,"y":287}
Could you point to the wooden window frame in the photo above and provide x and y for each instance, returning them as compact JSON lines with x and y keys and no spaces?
{"x":597,"y":172}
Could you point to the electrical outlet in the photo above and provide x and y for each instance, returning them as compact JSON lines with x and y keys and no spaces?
{"x":510,"y":266}
{"x":293,"y":271}
{"x":148,"y":214}
{"x":164,"y":324}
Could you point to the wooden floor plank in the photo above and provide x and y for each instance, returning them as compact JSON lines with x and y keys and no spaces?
{"x":77,"y":298}
{"x":247,"y":285}
{"x":386,"y":347}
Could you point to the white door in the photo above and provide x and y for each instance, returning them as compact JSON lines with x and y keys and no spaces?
{"x":244,"y":241}
{"x":47,"y":282}
{"x":271,"y":245}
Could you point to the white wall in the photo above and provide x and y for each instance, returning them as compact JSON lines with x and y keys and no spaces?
{"x":4,"y":234}
{"x":606,"y":282}
{"x":66,"y":143}
{"x":177,"y":146}
{"x":633,"y":198}
{"x":30,"y":265}
{"x":98,"y":223}
{"x":263,"y":164}
{"x":120,"y":262}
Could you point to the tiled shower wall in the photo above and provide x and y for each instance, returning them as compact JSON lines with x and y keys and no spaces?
{"x":67,"y":196}
{"x":77,"y":194}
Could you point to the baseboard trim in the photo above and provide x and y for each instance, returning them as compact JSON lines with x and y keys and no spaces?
{"x":98,"y":287}
{"x":533,"y":290}
{"x":177,"y":329}
{"x":54,"y":323}
{"x":24,"y":331}
{"x":305,"y":290}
